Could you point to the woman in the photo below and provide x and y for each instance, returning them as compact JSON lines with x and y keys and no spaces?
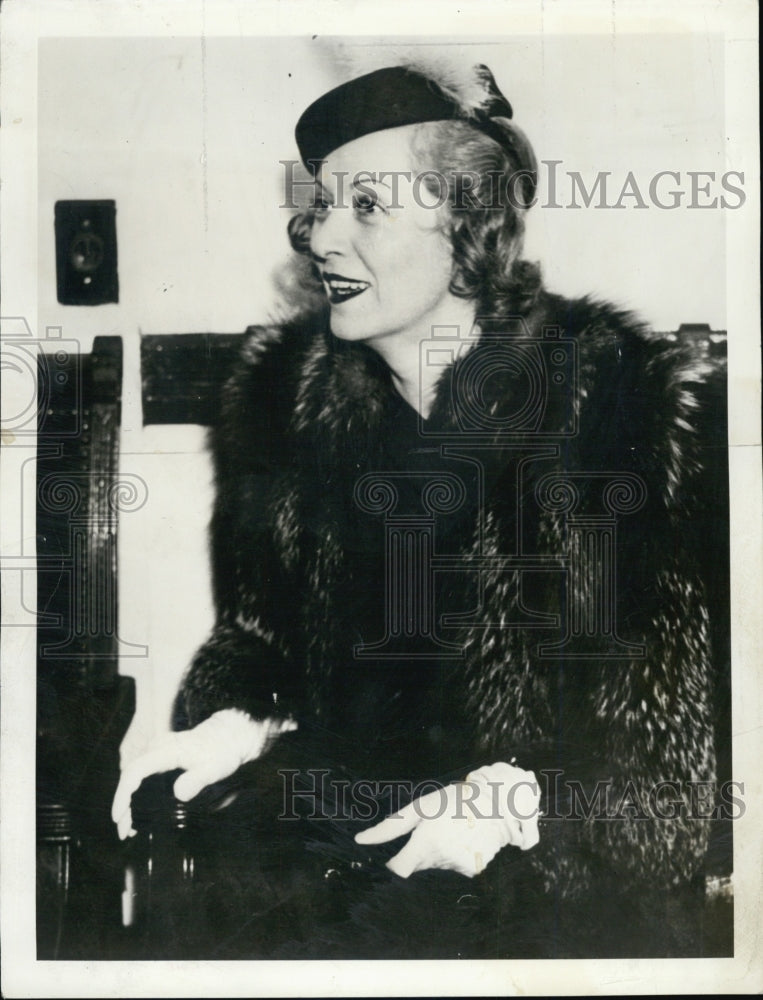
{"x":453,"y":561}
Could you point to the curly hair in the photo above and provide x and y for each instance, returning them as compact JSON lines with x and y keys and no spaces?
{"x":489,"y":187}
{"x":485,"y":222}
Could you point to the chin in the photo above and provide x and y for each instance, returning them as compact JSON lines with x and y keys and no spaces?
{"x":347,"y":328}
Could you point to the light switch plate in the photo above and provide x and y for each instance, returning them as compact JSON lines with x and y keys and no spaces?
{"x":86,"y":252}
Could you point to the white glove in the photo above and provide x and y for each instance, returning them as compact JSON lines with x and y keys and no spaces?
{"x":463,"y":826}
{"x":209,"y":752}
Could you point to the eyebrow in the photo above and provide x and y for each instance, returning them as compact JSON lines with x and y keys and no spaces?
{"x":367,"y":179}
{"x":372,"y":179}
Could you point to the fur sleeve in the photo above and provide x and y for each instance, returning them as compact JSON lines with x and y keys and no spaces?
{"x":236,"y":669}
{"x":631,"y":737}
{"x":652,"y":716}
{"x":249,"y":661}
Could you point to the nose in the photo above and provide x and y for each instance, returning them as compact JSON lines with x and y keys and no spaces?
{"x":331,"y":233}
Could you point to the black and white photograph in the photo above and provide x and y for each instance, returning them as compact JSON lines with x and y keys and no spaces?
{"x":381,"y":531}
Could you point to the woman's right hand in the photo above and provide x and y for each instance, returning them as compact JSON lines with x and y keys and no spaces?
{"x":211,"y":751}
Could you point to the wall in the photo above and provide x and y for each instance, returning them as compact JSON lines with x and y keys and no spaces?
{"x":186,"y":135}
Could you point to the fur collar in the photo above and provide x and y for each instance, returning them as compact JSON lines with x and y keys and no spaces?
{"x":624,"y":398}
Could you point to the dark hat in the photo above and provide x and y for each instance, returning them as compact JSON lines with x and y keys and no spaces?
{"x":389,"y":98}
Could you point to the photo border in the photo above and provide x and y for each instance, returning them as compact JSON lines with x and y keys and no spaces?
{"x":24,"y":22}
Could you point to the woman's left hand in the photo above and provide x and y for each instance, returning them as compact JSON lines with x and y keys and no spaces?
{"x":463,"y":826}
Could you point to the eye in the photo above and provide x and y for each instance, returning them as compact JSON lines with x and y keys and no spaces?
{"x":365,"y":202}
{"x":321,"y":206}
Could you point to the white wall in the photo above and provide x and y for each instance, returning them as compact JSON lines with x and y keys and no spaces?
{"x":186,"y":137}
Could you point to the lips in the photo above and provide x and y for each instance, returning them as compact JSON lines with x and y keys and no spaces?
{"x":341,"y":288}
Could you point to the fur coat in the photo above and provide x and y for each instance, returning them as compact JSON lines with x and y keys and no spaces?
{"x":566,"y":622}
